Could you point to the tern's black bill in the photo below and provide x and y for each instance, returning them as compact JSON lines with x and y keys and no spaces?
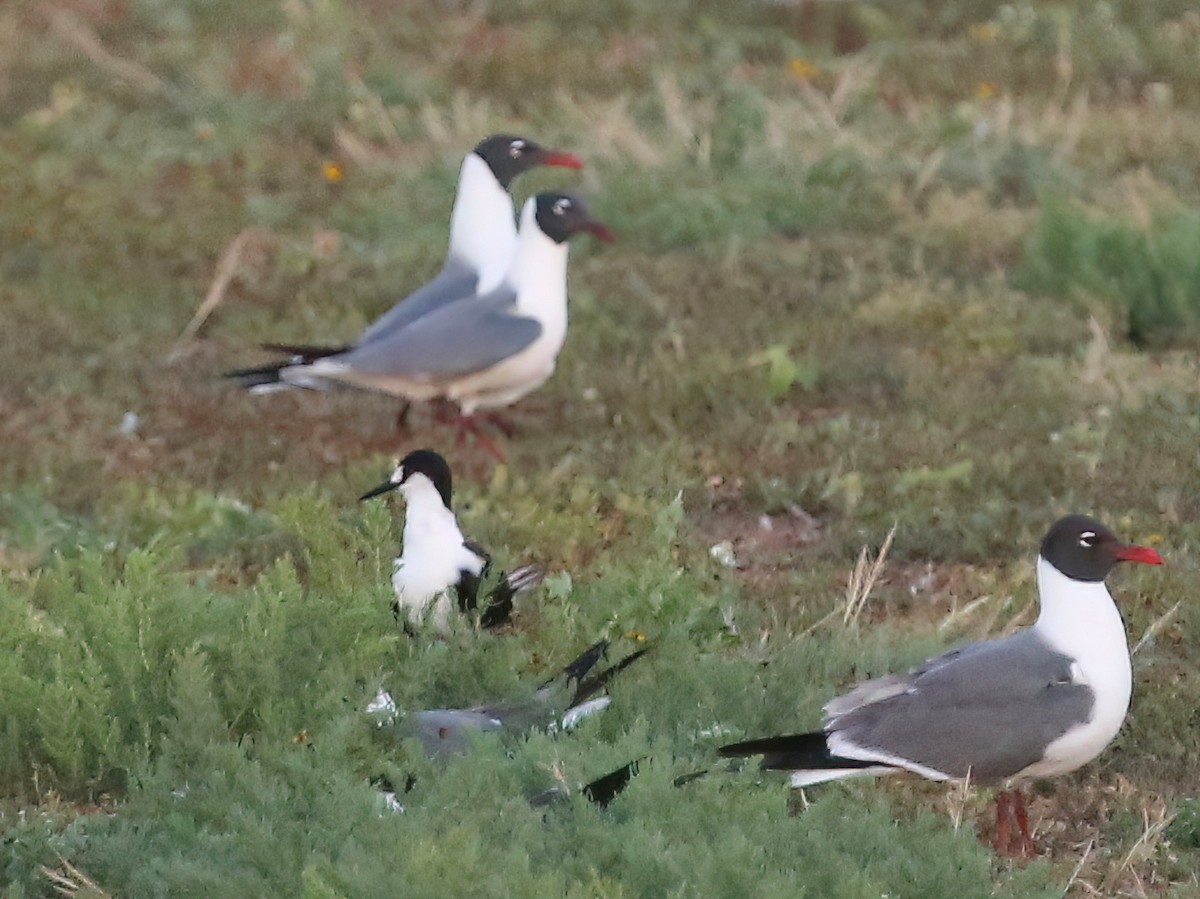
{"x":382,"y":488}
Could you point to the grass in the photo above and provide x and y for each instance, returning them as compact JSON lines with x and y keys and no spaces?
{"x":921,"y":265}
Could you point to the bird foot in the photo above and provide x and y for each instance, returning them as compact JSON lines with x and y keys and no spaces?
{"x":1010,"y":809}
{"x":473,"y":425}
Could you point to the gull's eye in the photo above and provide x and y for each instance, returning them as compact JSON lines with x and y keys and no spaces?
{"x":561,"y":206}
{"x":1087,"y":539}
{"x":516,"y":148}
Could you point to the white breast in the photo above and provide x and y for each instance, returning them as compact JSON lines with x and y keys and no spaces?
{"x":434,"y":556}
{"x":539,"y":274}
{"x":482,"y":231}
{"x":1080,"y":620}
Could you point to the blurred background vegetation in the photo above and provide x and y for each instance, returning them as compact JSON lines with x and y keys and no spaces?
{"x":924,"y":264}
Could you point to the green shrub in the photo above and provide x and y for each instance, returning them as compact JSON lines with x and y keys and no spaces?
{"x":1151,"y":274}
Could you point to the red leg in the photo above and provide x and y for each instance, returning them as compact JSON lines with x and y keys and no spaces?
{"x":1003,"y":815}
{"x":468,"y":424}
{"x":1028,"y":847}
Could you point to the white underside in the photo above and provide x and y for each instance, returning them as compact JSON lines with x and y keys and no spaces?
{"x":433,"y":558}
{"x":808,"y":778}
{"x":538,"y":271}
{"x":1081,"y":620}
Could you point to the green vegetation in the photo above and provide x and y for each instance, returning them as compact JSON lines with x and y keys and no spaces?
{"x":916,"y":263}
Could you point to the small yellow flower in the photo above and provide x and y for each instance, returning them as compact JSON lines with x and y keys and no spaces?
{"x":984,"y":32}
{"x":636,"y":635}
{"x":803,"y":69}
{"x":301,"y":737}
{"x":986,"y":90}
{"x":333,"y":171}
{"x":1155,"y":539}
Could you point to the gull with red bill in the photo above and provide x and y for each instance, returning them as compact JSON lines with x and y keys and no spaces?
{"x":481,"y":352}
{"x":1038,"y":703}
{"x":483,"y":238}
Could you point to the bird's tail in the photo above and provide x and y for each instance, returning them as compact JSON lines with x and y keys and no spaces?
{"x":269,"y":378}
{"x":499,"y":608}
{"x":807,"y":756}
{"x":263,"y":379}
{"x":302,"y":353}
{"x":588,"y":683}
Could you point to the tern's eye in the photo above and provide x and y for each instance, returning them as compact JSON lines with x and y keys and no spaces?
{"x":561,"y":206}
{"x":516,"y":148}
{"x":1087,"y":539}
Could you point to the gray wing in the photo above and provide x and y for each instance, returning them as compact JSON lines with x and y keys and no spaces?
{"x":988,"y":710}
{"x":456,"y":281}
{"x":456,"y":340}
{"x":446,"y":732}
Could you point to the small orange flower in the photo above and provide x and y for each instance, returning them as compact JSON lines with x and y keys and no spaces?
{"x":333,"y":171}
{"x":986,"y":90}
{"x":636,"y":635}
{"x":803,"y":69}
{"x":301,"y":737}
{"x":984,"y":32}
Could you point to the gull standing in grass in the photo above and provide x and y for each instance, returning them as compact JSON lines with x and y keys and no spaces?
{"x":437,"y":560}
{"x":482,"y":352}
{"x":1037,"y":703}
{"x":483,"y":238}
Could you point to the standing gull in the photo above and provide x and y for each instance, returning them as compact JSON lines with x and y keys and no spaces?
{"x":1037,"y":703}
{"x":483,"y":238}
{"x":483,"y":352}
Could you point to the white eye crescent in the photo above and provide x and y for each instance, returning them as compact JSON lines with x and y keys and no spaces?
{"x":561,"y":206}
{"x":516,"y":148}
{"x":1087,"y":539}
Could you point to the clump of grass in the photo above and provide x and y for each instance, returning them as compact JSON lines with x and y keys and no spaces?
{"x":1151,"y":273}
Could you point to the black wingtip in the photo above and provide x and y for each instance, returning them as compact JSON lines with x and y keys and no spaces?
{"x":604,"y":790}
{"x":811,"y":742}
{"x":302,"y":353}
{"x":793,"y":752}
{"x":586,"y":661}
{"x":499,"y":609}
{"x":590,"y":686}
{"x":261,"y":376}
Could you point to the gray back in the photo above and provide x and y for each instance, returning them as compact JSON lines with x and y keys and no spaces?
{"x":987,"y":710}
{"x":455,"y":281}
{"x":454,"y":341}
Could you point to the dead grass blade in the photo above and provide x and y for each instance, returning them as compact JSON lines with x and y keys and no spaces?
{"x":1155,"y":626}
{"x":227,"y":267}
{"x":866,"y":572}
{"x":1142,"y":849}
{"x":71,"y":30}
{"x":70,"y":881}
{"x":1079,"y":866}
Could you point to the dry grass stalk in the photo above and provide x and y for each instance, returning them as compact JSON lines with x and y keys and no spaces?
{"x":70,"y":881}
{"x":1079,"y":866}
{"x":957,"y":800}
{"x":1155,"y":626}
{"x":862,"y":579}
{"x":227,"y":267}
{"x":70,"y":29}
